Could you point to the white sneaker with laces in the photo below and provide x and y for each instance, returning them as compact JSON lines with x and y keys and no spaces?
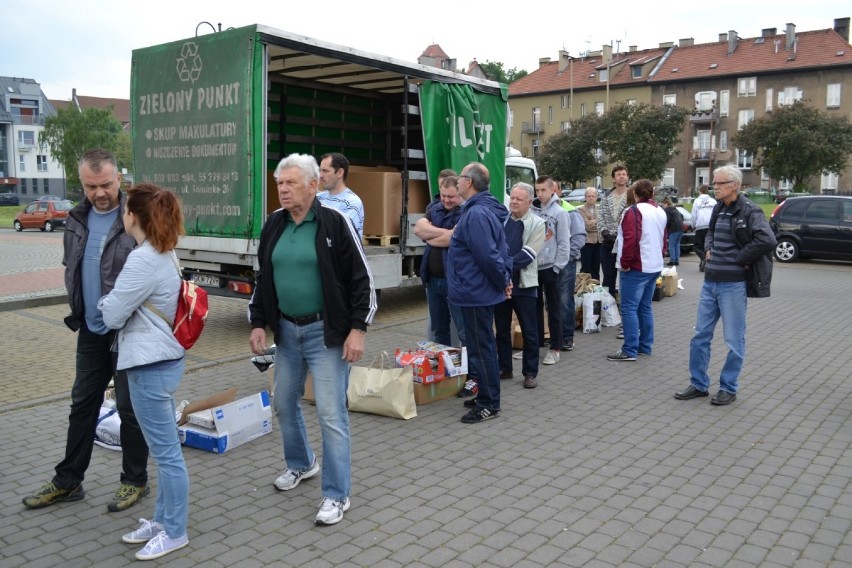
{"x":551,"y":358}
{"x":146,"y":531}
{"x":331,"y":511}
{"x":161,"y":545}
{"x":290,"y":479}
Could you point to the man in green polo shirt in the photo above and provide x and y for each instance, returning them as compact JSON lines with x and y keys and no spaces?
{"x":314,"y":290}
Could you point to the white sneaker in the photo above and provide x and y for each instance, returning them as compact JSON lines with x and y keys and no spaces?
{"x":146,"y":531}
{"x":331,"y":511}
{"x":551,"y":358}
{"x":518,"y":355}
{"x":161,"y":545}
{"x":290,"y":479}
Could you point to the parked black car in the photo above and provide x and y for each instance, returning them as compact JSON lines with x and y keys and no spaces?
{"x":815,"y":226}
{"x":9,"y":199}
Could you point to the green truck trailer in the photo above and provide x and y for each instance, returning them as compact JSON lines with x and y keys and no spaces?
{"x":213,"y":115}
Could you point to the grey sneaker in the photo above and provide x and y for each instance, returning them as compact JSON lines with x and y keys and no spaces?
{"x":49,"y":494}
{"x":551,"y":358}
{"x":161,"y":545}
{"x":331,"y":511}
{"x":146,"y":531}
{"x":290,"y":479}
{"x":620,"y":356}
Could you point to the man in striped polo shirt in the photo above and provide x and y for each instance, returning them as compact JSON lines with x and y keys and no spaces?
{"x":737,"y":246}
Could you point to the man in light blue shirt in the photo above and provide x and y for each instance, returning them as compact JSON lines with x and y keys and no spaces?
{"x":334,"y":168}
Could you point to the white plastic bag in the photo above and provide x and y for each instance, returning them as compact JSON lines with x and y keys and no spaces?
{"x":609,"y":310}
{"x":592,"y":312}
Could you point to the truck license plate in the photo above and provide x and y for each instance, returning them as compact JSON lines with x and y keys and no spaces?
{"x":205,"y":280}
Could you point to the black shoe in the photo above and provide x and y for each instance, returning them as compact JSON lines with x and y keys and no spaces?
{"x":506,"y":375}
{"x":671,"y":264}
{"x":479,"y":415}
{"x":470,"y":389}
{"x":470,"y":403}
{"x":689,"y":393}
{"x":723,"y":398}
{"x":545,"y":343}
{"x":568,"y":346}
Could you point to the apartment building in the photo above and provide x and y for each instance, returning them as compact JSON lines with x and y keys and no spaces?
{"x":724,"y":84}
{"x":26,"y":167}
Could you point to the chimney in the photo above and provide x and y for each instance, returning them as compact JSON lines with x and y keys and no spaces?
{"x":543,"y":62}
{"x":841,"y":26}
{"x":607,"y":54}
{"x":732,"y":41}
{"x":723,"y":37}
{"x":634,"y":48}
{"x":564,"y":60}
{"x":768,"y":32}
{"x":683,"y":42}
{"x":791,"y":37}
{"x":666,"y":44}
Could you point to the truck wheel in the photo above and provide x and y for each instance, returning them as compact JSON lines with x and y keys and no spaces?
{"x":787,"y":250}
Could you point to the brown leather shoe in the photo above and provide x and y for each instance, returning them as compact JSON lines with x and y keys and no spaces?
{"x":530,"y":383}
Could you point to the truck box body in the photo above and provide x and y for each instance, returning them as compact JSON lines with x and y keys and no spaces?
{"x":213,"y":115}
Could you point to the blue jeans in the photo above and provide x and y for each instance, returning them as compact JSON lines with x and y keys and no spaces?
{"x":674,"y":246}
{"x":482,"y":354}
{"x":567,"y":281}
{"x":302,"y":348}
{"x":95,"y":367}
{"x":524,"y":307}
{"x":728,"y":301}
{"x":152,"y":388}
{"x":637,"y":295}
{"x":440,"y":311}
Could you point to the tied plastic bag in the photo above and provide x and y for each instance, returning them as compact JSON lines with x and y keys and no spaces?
{"x":592,"y":312}
{"x":609,"y":310}
{"x":382,"y":390}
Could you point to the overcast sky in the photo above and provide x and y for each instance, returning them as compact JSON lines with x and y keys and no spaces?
{"x":87,"y":44}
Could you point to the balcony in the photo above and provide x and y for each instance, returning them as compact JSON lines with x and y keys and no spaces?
{"x":532,"y":127}
{"x":702,"y":155}
{"x":704,"y":117}
{"x":28,"y":120}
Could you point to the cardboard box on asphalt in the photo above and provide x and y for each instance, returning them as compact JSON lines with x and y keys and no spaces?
{"x":235,"y":423}
{"x":424,"y":393}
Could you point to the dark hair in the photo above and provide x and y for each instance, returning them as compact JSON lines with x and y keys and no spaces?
{"x":629,"y":197}
{"x":543,"y":179}
{"x":703,"y":188}
{"x":338,"y":161}
{"x":159,"y":214}
{"x":478,"y":175}
{"x":95,"y":159}
{"x":617,"y":168}
{"x":447,"y":173}
{"x":643,"y":190}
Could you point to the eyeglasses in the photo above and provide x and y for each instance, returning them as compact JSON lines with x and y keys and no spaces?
{"x":464,"y":177}
{"x":718,"y":183}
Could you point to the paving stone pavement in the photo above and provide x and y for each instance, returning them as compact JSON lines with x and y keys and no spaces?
{"x":598,"y":466}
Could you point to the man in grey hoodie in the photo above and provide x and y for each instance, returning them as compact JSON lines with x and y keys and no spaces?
{"x":552,"y":259}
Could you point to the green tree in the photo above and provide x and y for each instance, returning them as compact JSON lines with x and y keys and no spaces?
{"x":642,"y":137}
{"x":495,"y":72}
{"x":71,"y":132}
{"x":797,"y":142}
{"x":569,"y":156}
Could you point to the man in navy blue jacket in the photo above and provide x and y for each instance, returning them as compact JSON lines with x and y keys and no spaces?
{"x":479,"y":271}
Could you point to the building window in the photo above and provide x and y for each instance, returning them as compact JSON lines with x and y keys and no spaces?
{"x":26,"y":138}
{"x":744,"y":160}
{"x":599,"y":108}
{"x":41,"y":163}
{"x":22,"y":163}
{"x":670,"y":100}
{"x":668,"y":177}
{"x":603,"y":75}
{"x":536,"y":143}
{"x":723,"y":141}
{"x":789,"y":95}
{"x":636,"y":72}
{"x":724,"y":102}
{"x":550,"y":115}
{"x":631,"y":102}
{"x":45,"y":185}
{"x":747,"y":87}
{"x":769,"y":93}
{"x":705,"y":101}
{"x":745,"y":116}
{"x":566,"y":101}
{"x":23,"y":186}
{"x":565,"y":125}
{"x":829,"y":181}
{"x":536,"y":116}
{"x":511,"y":118}
{"x":832,"y":95}
{"x":582,"y":109}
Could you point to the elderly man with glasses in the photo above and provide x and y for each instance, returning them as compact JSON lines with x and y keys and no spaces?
{"x":738,"y":247}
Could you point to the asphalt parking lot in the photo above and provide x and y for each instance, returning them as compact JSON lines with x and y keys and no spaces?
{"x":599,"y":466}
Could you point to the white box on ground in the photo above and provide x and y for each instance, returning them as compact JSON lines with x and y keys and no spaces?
{"x":235,"y":424}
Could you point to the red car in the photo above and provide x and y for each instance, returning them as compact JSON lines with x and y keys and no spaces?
{"x":44,"y":215}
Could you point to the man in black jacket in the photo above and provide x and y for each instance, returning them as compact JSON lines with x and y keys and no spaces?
{"x":314,"y":290}
{"x":738,"y":245}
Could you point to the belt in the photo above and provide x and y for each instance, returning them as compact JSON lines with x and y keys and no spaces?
{"x":303,"y":320}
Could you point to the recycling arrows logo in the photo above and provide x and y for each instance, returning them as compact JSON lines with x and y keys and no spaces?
{"x":189,"y":62}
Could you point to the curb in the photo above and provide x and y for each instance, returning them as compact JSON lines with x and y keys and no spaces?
{"x":36,"y":302}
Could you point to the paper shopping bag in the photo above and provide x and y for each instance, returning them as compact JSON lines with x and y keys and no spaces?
{"x":382,"y":389}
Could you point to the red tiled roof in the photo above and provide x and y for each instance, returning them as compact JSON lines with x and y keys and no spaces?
{"x":59,"y":104}
{"x":818,"y":48}
{"x":548,"y":78}
{"x":435,"y":52}
{"x":120,"y":107}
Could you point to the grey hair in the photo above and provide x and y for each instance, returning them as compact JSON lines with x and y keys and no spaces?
{"x":305,"y":162}
{"x":478,"y":175}
{"x":590,"y":188}
{"x":525,"y":186}
{"x":732,"y":171}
